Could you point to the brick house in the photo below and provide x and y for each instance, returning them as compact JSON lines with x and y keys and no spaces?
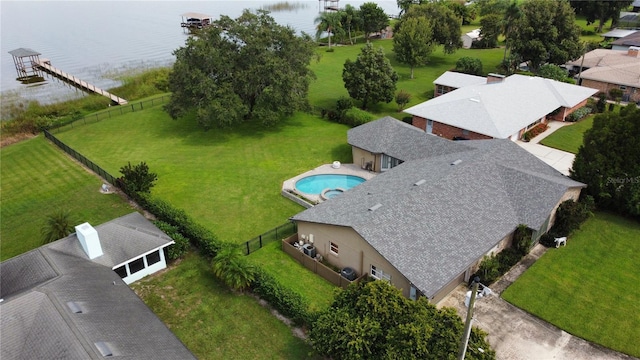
{"x":604,"y":70}
{"x":498,"y":108}
{"x":426,"y":222}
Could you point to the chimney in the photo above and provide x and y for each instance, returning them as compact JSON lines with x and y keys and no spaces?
{"x":89,"y":240}
{"x":633,"y":51}
{"x":494,"y":78}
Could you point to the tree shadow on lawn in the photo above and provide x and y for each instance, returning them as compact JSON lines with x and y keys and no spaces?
{"x":192,"y":133}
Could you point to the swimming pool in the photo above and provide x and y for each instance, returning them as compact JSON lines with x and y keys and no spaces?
{"x":316,"y":184}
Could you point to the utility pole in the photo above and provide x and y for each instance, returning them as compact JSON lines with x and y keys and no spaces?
{"x":467,"y":325}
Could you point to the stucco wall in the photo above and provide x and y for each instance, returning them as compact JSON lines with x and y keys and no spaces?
{"x":362,"y":157}
{"x":353,"y":251}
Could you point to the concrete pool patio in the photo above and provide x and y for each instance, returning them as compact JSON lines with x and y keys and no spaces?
{"x":289,"y":186}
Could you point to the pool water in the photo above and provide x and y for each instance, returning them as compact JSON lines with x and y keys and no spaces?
{"x":315,"y":184}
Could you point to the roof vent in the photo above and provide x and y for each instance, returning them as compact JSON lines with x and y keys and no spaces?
{"x":474,"y":100}
{"x":75,"y":307}
{"x":420,"y":182}
{"x":375,"y":207}
{"x":104,"y":349}
{"x":88,"y":237}
{"x":456,"y":162}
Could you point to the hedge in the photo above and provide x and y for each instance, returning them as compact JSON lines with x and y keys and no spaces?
{"x":181,"y":246}
{"x":288,"y":302}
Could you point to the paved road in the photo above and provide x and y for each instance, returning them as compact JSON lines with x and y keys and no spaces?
{"x":516,"y":335}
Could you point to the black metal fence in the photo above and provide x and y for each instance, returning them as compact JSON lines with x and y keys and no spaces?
{"x":275,"y":234}
{"x":81,"y":158}
{"x":113,"y":111}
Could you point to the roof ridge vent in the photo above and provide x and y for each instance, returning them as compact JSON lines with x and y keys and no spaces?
{"x":375,"y":207}
{"x":420,"y":182}
{"x":457,"y":162}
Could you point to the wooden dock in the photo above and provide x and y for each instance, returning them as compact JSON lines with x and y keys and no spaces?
{"x":46,"y":66}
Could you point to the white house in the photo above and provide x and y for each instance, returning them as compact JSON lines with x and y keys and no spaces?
{"x":469,"y":38}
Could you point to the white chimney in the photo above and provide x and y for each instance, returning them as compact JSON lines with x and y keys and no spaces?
{"x":89,"y":240}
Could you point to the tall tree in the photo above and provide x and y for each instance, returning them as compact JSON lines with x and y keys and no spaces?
{"x":351,"y":20}
{"x":372,"y":320}
{"x":404,"y":5}
{"x":329,"y":22}
{"x":609,"y":161}
{"x":466,"y":13}
{"x":373,"y":18}
{"x":490,"y":30}
{"x":238,"y":70}
{"x":413,"y":44}
{"x":546,"y":33}
{"x":509,"y":25}
{"x":371,"y":77}
{"x":600,"y":11}
{"x":445,"y":25}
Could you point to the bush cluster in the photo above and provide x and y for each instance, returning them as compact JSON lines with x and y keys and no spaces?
{"x":181,"y":246}
{"x":200,"y":237}
{"x":569,"y":217}
{"x":579,"y":114}
{"x":494,"y":266}
{"x":288,"y":302}
{"x":346,"y":113}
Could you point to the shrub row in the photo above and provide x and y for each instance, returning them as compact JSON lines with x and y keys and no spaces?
{"x":535,"y":131}
{"x":200,"y":237}
{"x":288,"y":302}
{"x":181,"y":246}
{"x":346,"y":113}
{"x":579,"y":114}
{"x":494,"y":266}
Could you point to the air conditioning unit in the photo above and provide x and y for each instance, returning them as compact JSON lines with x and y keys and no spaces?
{"x":309,"y":249}
{"x":349,"y":273}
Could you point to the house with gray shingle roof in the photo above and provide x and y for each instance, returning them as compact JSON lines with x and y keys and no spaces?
{"x":500,"y":108}
{"x":60,"y":301}
{"x":426,"y":223}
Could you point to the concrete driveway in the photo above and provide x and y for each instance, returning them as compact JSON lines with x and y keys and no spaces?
{"x":558,"y":159}
{"x":516,"y":335}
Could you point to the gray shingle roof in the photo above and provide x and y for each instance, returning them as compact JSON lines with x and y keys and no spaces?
{"x":37,"y":323}
{"x":122,"y":239}
{"x":434,"y":231}
{"x":400,"y":140}
{"x":501,"y":109}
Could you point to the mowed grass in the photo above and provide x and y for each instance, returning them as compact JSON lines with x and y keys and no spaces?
{"x":569,"y":138}
{"x":318,"y":291}
{"x":329,"y":87}
{"x":212,"y":321}
{"x":38,"y":179}
{"x":227,"y":180}
{"x":590,"y":287}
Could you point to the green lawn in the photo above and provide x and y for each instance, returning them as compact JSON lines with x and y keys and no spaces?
{"x":590,"y":287}
{"x":228,"y":180}
{"x":213,"y":322}
{"x":328,"y":86}
{"x":569,"y":138}
{"x":37,"y":179}
{"x":316,"y":290}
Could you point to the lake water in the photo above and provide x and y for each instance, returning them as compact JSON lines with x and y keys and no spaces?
{"x":98,"y":40}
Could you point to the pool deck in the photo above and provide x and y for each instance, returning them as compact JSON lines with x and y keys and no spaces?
{"x":289,"y":186}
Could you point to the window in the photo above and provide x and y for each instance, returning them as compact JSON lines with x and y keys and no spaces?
{"x":136,"y":265}
{"x":379,"y":274}
{"x":622,"y":87}
{"x":465,"y":132}
{"x":121,"y":271}
{"x":153,"y":258}
{"x":429,"y":126}
{"x":388,"y":162}
{"x":333,"y":248}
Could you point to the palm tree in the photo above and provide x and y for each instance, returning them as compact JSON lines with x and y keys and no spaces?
{"x":230,"y":266}
{"x":58,"y":225}
{"x":511,"y":15}
{"x":329,"y":21}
